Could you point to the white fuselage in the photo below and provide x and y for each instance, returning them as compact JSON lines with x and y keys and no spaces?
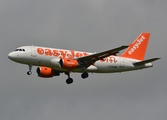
{"x":43,"y":56}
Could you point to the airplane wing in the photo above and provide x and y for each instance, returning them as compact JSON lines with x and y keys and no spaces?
{"x":90,"y":59}
{"x":145,"y":61}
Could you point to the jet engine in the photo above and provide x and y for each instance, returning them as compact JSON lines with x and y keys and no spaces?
{"x":46,"y":72}
{"x":68,"y":63}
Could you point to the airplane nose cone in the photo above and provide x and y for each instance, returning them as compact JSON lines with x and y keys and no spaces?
{"x":11,"y":56}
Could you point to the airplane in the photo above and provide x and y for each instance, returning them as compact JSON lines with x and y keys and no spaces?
{"x":52,"y":61}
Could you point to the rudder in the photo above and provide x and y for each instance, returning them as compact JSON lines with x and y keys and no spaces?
{"x":137,"y":49}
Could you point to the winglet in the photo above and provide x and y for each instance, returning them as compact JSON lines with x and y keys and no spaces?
{"x":137,"y":49}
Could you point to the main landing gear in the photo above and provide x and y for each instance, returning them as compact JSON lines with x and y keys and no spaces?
{"x":30,"y":68}
{"x":84,"y":75}
{"x":70,"y":80}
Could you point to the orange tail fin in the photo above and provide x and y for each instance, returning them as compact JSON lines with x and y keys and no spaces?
{"x":137,"y":49}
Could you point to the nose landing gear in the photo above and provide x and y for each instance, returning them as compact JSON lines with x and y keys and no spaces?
{"x":30,"y":68}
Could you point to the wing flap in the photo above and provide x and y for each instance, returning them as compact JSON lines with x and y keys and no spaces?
{"x":145,"y":61}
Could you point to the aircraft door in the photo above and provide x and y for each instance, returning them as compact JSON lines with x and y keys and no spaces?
{"x":33,"y":51}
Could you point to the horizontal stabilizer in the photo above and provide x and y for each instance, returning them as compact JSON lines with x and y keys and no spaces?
{"x":145,"y":61}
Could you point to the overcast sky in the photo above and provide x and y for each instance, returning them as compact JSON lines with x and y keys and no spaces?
{"x":87,"y":25}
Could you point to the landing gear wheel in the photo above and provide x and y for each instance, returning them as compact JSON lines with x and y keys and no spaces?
{"x":29,"y":73}
{"x":69,"y":81}
{"x":30,"y":68}
{"x":84,"y":75}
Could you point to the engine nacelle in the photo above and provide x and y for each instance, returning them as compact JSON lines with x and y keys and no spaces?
{"x":68,"y":63}
{"x":46,"y":72}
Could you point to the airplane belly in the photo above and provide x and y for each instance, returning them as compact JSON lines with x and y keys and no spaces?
{"x":108,"y":67}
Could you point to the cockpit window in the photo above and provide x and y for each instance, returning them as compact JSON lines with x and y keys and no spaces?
{"x":20,"y":50}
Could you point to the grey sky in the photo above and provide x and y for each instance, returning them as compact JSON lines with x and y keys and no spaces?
{"x":89,"y":25}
